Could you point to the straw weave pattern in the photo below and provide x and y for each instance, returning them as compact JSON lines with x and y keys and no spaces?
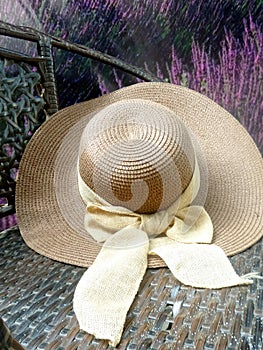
{"x":134,"y":144}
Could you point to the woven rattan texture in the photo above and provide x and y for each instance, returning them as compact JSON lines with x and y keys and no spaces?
{"x":21,"y":112}
{"x":36,"y":304}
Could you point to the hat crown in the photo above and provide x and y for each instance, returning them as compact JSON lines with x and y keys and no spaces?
{"x":137,"y":154}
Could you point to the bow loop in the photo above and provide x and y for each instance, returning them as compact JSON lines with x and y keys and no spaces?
{"x":191,"y":225}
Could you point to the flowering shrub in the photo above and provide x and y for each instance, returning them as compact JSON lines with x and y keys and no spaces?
{"x":235,"y":80}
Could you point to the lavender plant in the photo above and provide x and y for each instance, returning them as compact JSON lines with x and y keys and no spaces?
{"x":235,"y":80}
{"x":139,"y":32}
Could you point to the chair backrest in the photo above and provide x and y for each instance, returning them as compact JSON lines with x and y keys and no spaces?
{"x":28,"y":96}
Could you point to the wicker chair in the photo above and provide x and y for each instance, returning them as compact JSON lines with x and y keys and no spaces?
{"x":34,"y":303}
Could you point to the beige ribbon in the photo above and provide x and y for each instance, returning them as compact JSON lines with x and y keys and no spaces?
{"x":105,"y":292}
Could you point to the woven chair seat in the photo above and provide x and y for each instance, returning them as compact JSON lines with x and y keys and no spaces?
{"x":36,"y":304}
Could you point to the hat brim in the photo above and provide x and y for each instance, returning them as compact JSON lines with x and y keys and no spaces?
{"x":235,"y":175}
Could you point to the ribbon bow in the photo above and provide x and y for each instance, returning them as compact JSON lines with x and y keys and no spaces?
{"x":107,"y":289}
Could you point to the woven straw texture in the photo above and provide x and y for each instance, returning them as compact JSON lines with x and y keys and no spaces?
{"x":235,"y":182}
{"x":36,"y":304}
{"x":137,"y":141}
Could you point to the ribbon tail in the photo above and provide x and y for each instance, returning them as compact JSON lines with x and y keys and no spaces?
{"x":107,"y":289}
{"x":198,"y":265}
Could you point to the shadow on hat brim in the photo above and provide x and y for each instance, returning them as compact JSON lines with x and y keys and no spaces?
{"x":235,"y":175}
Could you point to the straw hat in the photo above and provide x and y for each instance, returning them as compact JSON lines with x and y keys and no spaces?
{"x":146,"y":137}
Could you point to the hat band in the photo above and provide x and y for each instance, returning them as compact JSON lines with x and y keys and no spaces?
{"x":105,"y":292}
{"x":103,"y":219}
